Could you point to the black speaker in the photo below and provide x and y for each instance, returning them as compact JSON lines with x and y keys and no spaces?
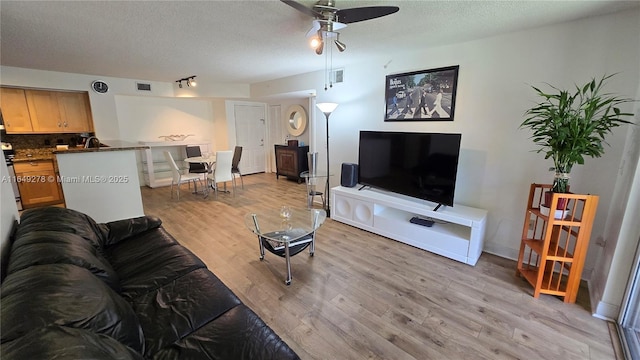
{"x":349,"y":175}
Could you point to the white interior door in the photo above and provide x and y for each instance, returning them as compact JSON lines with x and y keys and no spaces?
{"x":250,"y":134}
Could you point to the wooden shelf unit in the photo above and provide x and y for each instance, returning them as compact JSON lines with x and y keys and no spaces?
{"x":553,"y":250}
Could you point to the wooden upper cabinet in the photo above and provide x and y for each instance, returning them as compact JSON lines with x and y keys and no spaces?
{"x":44,"y":111}
{"x":75,"y":112}
{"x":15,"y":111}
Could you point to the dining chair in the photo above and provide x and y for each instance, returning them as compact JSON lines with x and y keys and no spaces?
{"x":222,"y":172}
{"x":178,"y":178}
{"x":237,"y":154}
{"x":196,"y":168}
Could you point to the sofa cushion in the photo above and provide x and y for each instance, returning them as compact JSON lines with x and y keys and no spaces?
{"x":116,"y":231}
{"x":54,"y":247}
{"x":61,"y":219}
{"x":237,"y":334}
{"x":187,"y":303}
{"x":68,"y":295}
{"x":59,"y":342}
{"x":149,"y":261}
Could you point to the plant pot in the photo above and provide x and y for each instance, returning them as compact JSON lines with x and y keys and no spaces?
{"x":559,"y":214}
{"x":562,"y":202}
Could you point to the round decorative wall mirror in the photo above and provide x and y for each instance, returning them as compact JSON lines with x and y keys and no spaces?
{"x":296,"y":119}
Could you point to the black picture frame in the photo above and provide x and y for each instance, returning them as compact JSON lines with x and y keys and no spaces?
{"x":426,"y":95}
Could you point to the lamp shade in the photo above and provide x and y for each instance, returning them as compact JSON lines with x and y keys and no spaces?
{"x":327,"y":108}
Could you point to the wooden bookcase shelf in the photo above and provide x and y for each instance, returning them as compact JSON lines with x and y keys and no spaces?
{"x":553,"y":250}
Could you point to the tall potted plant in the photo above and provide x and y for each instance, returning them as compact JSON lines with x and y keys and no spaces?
{"x":567,"y":126}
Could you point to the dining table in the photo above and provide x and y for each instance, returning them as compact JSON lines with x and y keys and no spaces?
{"x":209,"y":160}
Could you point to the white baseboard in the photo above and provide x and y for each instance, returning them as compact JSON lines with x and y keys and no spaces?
{"x":606,"y":311}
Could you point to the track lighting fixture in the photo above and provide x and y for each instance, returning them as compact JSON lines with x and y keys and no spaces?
{"x":191,"y":81}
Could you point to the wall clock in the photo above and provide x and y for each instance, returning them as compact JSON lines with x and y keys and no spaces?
{"x":100,"y":86}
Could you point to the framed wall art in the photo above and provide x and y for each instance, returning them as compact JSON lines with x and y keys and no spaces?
{"x":426,"y":95}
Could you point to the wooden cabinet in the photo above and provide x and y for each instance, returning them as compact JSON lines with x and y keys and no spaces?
{"x":291,"y":161}
{"x":554,"y":243}
{"x":75,"y":112}
{"x":15,"y":112}
{"x":43,"y":111}
{"x":37,"y":183}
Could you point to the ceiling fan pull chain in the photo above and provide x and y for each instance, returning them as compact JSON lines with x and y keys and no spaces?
{"x":326,"y":62}
{"x":331,"y":67}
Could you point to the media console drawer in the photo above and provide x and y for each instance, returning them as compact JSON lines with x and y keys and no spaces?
{"x":458,"y":232}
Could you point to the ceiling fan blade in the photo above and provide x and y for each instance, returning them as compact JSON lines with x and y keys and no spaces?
{"x":353,"y":15}
{"x":303,"y":9}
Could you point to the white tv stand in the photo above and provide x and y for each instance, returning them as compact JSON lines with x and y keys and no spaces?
{"x":458,"y":232}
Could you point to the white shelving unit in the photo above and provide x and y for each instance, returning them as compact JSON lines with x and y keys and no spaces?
{"x":155,"y":169}
{"x":458,"y":231}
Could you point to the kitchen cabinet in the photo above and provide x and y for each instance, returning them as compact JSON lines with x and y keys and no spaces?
{"x":45,"y":111}
{"x":291,"y":161}
{"x":37,"y":183}
{"x":15,"y":112}
{"x":75,"y":111}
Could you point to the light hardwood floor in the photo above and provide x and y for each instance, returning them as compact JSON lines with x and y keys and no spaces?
{"x":363,"y":296}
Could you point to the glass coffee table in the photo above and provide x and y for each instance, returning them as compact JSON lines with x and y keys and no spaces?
{"x":286,"y":231}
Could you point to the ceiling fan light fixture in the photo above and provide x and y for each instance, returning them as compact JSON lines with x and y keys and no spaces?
{"x":320,"y":48}
{"x":315,"y":42}
{"x":339,"y":44}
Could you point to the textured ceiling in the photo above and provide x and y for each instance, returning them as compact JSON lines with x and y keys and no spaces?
{"x":245,"y":41}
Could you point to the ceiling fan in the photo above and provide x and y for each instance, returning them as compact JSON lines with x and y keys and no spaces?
{"x":328,"y":19}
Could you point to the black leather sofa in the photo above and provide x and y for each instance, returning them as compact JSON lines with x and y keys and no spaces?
{"x":127,"y":289}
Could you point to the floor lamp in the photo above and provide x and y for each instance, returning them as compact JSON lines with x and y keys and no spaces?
{"x":327,"y":109}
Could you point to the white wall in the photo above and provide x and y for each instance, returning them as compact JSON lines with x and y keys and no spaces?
{"x":148,"y":118}
{"x":621,"y":232}
{"x":8,"y":209}
{"x":497,"y":163}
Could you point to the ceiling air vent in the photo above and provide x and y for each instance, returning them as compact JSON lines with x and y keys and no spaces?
{"x":337,"y":76}
{"x":143,"y":86}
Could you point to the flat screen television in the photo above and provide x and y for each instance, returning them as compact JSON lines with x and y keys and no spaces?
{"x":420,"y":165}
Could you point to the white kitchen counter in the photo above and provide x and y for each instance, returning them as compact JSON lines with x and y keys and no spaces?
{"x":102,"y":183}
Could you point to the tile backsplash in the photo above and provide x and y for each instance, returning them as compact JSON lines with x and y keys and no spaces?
{"x":36,"y":141}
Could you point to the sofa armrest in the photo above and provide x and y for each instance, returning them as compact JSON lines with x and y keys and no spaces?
{"x":119,"y":230}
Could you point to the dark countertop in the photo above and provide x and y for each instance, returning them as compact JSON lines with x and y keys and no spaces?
{"x":111,"y":145}
{"x":48,"y":153}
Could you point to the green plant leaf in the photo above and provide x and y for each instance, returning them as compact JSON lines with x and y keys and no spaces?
{"x":567,"y":126}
